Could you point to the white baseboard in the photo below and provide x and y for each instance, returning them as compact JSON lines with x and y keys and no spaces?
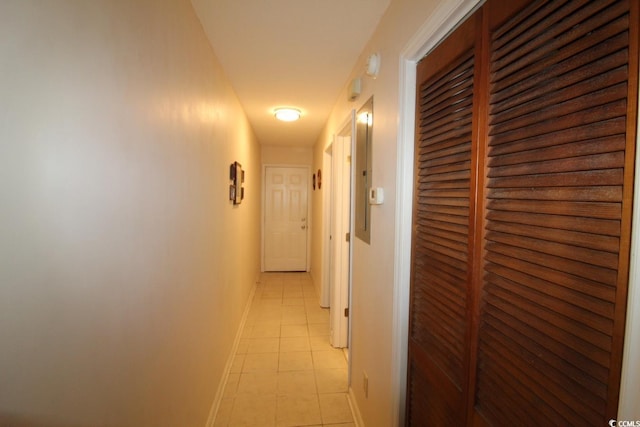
{"x":225,"y":375}
{"x":355,"y":411}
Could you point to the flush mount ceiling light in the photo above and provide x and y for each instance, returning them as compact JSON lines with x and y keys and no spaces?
{"x":287,"y":114}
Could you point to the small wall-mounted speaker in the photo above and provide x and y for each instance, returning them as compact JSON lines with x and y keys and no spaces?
{"x":354,"y":89}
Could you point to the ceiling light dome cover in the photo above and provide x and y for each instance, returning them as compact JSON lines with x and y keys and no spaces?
{"x":287,"y":114}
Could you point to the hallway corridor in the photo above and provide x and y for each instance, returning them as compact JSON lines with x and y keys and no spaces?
{"x":285,"y":372}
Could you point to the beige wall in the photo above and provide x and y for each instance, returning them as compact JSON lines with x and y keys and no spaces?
{"x":124,"y":269}
{"x":379,"y":301}
{"x":280,"y":155}
{"x":372,"y":314}
{"x":317,"y":232}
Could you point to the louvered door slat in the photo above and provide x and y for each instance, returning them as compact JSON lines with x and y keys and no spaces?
{"x":455,"y":215}
{"x":551,"y":106}
{"x":592,"y":324}
{"x":515,"y":399}
{"x":574,"y":70}
{"x":554,"y":298}
{"x":543,"y":34}
{"x":604,"y":128}
{"x":561,"y":264}
{"x":596,"y":257}
{"x":563,"y":164}
{"x":434,"y":198}
{"x":544,"y":386}
{"x":591,"y":115}
{"x":535,"y":178}
{"x":578,"y":194}
{"x":443,"y":115}
{"x":515,"y":405}
{"x":586,"y":329}
{"x":581,"y":148}
{"x":513,"y":32}
{"x":437,"y":216}
{"x":434,"y":110}
{"x":593,"y":226}
{"x":448,"y":138}
{"x":436,"y":173}
{"x":576,"y":209}
{"x":447,"y":146}
{"x":523,"y":303}
{"x":450,"y":121}
{"x":557,"y":136}
{"x":563,"y":40}
{"x":565,"y":87}
{"x":442,"y":85}
{"x":559,"y":235}
{"x":542,"y":273}
{"x":448,"y":296}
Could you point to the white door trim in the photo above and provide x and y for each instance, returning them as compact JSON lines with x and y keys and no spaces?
{"x":263,"y":212}
{"x":630,"y":385}
{"x":444,"y":19}
{"x":352,"y":226}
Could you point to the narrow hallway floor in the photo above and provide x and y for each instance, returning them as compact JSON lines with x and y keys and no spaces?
{"x":285,"y":372}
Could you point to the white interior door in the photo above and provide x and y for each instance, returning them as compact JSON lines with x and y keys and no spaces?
{"x":341,"y":224}
{"x":327,"y":226}
{"x":285,"y":221}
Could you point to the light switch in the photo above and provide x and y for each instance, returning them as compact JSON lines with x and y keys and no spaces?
{"x":376,"y":196}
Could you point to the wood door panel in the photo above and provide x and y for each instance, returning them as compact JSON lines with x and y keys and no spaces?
{"x":440,"y":261}
{"x":433,"y":398}
{"x":547,"y":321}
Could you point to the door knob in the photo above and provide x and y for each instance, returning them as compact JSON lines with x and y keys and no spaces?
{"x":303,"y":227}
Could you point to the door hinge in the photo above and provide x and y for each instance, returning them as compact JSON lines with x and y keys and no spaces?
{"x":346,"y":312}
{"x":347,"y":237}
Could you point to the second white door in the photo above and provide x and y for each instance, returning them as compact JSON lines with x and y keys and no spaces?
{"x":341,"y":227}
{"x":285,"y":219}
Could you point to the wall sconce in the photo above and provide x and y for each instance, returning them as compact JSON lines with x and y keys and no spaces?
{"x":355,"y":88}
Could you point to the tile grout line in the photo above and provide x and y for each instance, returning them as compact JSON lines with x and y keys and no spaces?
{"x":261,"y":305}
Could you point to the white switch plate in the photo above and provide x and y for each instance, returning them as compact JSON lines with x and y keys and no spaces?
{"x":376,"y":196}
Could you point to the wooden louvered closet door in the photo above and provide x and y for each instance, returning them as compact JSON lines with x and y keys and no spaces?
{"x":443,"y":222}
{"x":518,"y":308}
{"x":558,"y":211}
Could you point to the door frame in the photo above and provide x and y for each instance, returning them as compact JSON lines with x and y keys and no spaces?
{"x":263,"y":212}
{"x":446,"y":17}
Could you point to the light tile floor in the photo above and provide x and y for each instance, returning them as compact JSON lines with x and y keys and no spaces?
{"x":285,"y":372}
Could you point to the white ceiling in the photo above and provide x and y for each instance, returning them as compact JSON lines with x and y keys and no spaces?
{"x":296,"y":53}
